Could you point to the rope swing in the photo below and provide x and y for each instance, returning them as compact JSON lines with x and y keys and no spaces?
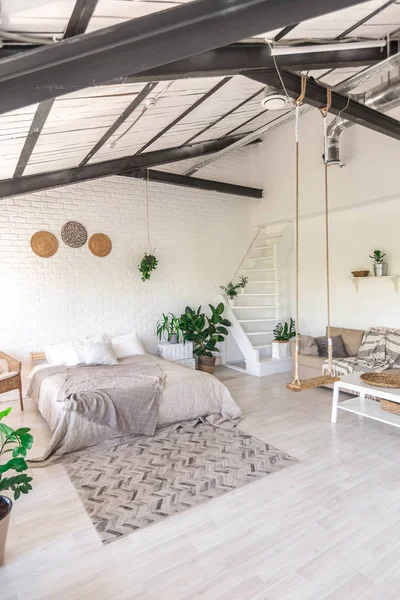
{"x":297,"y":385}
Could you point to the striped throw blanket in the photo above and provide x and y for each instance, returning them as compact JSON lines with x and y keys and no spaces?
{"x":379,"y":350}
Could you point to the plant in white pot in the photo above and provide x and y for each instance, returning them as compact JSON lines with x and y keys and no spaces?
{"x":231,"y":290}
{"x":17,"y":443}
{"x":283,"y":333}
{"x":380,"y":267}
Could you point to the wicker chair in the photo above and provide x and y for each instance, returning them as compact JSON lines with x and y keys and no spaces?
{"x":11,"y":380}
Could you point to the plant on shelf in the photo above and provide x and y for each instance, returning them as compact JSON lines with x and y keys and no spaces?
{"x":17,"y":442}
{"x":148,"y":264}
{"x":205,"y":333}
{"x":380,"y":267}
{"x":283,"y":333}
{"x":168,"y":327}
{"x":231,"y":290}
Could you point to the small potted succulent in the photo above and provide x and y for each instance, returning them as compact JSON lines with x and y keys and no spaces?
{"x":205,"y":333}
{"x":148,"y":264}
{"x":283,"y":333}
{"x":231,"y":290}
{"x":380,"y":267}
{"x":17,"y":442}
{"x":168,"y":328}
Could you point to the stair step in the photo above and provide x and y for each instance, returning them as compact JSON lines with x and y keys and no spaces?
{"x":264,"y":281}
{"x":253,"y":270}
{"x":263,"y":247}
{"x":255,"y":320}
{"x":259,"y":333}
{"x":258,"y":295}
{"x":247,"y":306}
{"x":261,"y":257}
{"x":262,"y":347}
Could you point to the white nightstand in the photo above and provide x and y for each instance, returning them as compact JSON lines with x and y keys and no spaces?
{"x":179,"y":353}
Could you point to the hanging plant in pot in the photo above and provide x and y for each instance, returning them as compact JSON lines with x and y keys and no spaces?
{"x":17,"y":443}
{"x":149,"y":262}
{"x":205,"y":333}
{"x":283,"y":333}
{"x":380,"y":267}
{"x":231,"y":290}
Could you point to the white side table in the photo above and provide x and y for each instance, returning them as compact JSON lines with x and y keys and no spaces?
{"x":360,"y":405}
{"x":180,"y":353}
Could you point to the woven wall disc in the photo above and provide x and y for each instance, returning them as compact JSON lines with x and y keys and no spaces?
{"x":100,"y":244}
{"x":44,"y":244}
{"x":74,"y":234}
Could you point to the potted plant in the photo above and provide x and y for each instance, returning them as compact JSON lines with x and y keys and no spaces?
{"x":168,"y":328}
{"x":283,"y":333}
{"x":148,"y":264}
{"x":205,"y":333}
{"x":380,"y":267}
{"x":231,"y":290}
{"x":17,"y":442}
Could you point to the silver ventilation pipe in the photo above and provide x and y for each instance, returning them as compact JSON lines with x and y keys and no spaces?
{"x":383,"y":98}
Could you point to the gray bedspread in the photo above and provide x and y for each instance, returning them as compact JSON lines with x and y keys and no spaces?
{"x":125,"y":398}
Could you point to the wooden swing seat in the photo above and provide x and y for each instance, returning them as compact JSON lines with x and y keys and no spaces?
{"x":313,"y":382}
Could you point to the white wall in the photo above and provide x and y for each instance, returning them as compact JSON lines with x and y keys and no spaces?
{"x":365,"y":212}
{"x":200,"y":238}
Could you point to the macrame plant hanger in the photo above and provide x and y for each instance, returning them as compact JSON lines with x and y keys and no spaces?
{"x":298,"y":385}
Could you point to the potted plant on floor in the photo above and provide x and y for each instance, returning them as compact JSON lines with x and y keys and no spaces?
{"x":205,"y":333}
{"x":231,"y":290}
{"x":283,"y":333}
{"x":380,"y":267}
{"x":168,"y":328}
{"x":16,"y":442}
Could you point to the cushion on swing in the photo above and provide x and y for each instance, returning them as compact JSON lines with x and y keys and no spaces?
{"x":307,"y":384}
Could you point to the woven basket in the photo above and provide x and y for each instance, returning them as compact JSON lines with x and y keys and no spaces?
{"x":360,"y":273}
{"x":206,"y":364}
{"x":44,"y":244}
{"x":100,"y":244}
{"x":392,"y":407}
{"x":387,"y":380}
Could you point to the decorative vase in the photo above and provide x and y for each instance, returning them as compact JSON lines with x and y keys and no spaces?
{"x":5,"y":513}
{"x":380,"y":269}
{"x":206,"y":364}
{"x":280,"y":349}
{"x":173,"y":338}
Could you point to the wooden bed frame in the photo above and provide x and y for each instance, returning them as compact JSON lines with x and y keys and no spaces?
{"x":35,"y":356}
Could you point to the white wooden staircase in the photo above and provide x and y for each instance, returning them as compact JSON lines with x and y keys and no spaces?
{"x":259,"y":308}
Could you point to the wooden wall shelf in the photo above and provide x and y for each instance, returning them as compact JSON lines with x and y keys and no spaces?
{"x":394,"y":279}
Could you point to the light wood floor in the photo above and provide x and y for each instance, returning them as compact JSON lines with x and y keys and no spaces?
{"x":326,"y":528}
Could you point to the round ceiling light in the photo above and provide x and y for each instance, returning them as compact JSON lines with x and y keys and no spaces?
{"x":275,"y":101}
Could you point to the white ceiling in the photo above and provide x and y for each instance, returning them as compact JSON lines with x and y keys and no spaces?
{"x":78,"y":120}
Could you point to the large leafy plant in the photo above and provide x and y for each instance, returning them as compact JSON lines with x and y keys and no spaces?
{"x":205,"y":332}
{"x":231,"y":290}
{"x":284,"y":332}
{"x":168,"y":325}
{"x":16,"y":442}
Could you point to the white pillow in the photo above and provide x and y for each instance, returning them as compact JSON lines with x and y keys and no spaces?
{"x":61,"y":354}
{"x":98,"y":353}
{"x":78,"y":346}
{"x":127,"y":345}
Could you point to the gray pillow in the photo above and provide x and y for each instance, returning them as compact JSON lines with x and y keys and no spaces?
{"x":307,"y":346}
{"x":338,"y":349}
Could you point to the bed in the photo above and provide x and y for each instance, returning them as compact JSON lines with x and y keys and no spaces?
{"x":187,"y":396}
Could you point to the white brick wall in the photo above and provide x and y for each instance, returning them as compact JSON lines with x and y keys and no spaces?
{"x":200,"y":238}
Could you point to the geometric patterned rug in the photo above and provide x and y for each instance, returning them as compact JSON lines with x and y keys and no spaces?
{"x":136,"y":484}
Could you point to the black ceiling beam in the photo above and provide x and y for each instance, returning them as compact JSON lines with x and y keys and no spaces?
{"x":42,"y":181}
{"x":365,"y":19}
{"x":142,"y":95}
{"x":185,"y":113}
{"x":283,"y":32}
{"x":316,"y":96}
{"x":196,"y":183}
{"x":234,"y":59}
{"x":146,"y":43}
{"x":222,"y":117}
{"x":77,"y":25}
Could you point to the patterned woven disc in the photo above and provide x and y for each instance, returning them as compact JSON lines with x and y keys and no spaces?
{"x":100,"y":244}
{"x":44,"y":244}
{"x":74,"y":234}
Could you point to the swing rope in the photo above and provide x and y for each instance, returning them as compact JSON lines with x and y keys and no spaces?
{"x":296,"y":384}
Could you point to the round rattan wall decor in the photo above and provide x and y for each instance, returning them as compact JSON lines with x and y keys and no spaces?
{"x":100,"y":244}
{"x":44,"y":244}
{"x":74,"y":234}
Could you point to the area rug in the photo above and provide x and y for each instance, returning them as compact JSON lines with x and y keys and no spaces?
{"x":133,"y":485}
